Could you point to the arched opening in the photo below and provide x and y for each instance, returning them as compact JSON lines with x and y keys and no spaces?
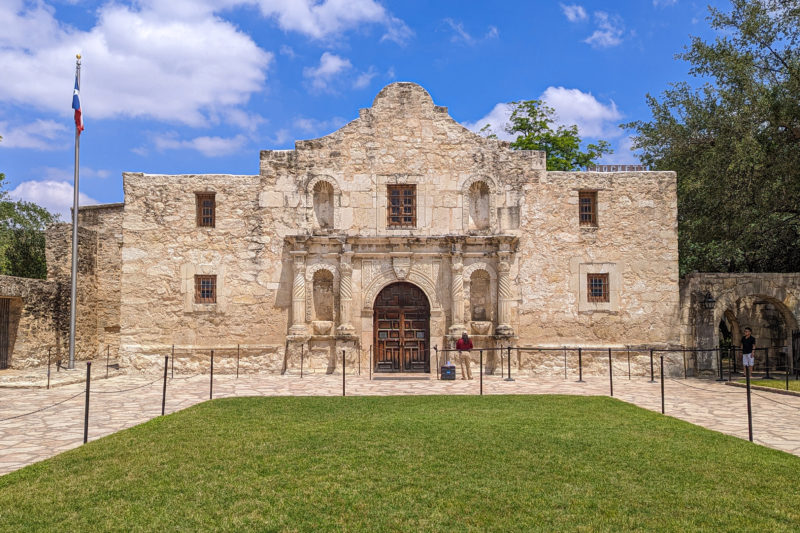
{"x":480,"y":296}
{"x":478,"y":206}
{"x":771,"y":323}
{"x":322,"y":295}
{"x":401,"y":329}
{"x":323,"y":204}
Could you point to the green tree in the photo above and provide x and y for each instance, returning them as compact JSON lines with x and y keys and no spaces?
{"x":22,"y":241}
{"x":532,"y":121}
{"x":734,"y":141}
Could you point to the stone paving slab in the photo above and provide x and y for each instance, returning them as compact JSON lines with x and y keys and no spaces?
{"x":28,"y":439}
{"x":36,"y":377}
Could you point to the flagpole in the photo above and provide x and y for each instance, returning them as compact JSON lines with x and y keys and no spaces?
{"x":74,"y":280}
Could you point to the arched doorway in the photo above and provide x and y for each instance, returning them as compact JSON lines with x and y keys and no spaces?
{"x":401,"y":329}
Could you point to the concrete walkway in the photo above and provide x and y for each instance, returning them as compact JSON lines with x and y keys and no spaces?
{"x":28,"y":439}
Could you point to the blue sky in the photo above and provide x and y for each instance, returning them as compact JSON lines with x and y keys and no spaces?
{"x":200,"y":86}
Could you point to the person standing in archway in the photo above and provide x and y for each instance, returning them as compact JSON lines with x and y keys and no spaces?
{"x":748,"y":348}
{"x":464,"y":345}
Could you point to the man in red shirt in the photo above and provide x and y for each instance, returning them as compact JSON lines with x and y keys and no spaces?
{"x":464,"y":345}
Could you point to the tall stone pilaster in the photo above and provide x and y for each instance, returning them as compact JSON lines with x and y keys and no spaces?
{"x":345,"y":293}
{"x":505,"y":294}
{"x":457,"y":294}
{"x":299,"y":326}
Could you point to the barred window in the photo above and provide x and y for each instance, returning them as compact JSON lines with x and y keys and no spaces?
{"x":597,"y":287}
{"x":206,"y":209}
{"x":402,"y":206}
{"x":205,"y":289}
{"x":587,"y":205}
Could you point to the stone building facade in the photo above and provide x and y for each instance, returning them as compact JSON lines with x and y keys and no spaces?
{"x":387,"y":237}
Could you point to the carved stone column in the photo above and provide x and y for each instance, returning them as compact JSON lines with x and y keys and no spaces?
{"x":345,"y":293}
{"x":457,"y":294}
{"x":299,"y":326}
{"x":504,"y":294}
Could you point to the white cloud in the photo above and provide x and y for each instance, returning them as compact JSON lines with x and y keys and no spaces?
{"x":658,"y":3}
{"x":39,"y":134}
{"x":574,"y":12}
{"x":331,"y":17}
{"x":364,"y":78}
{"x":55,"y":196}
{"x":136,"y":62}
{"x":287,"y":51}
{"x":609,"y":31}
{"x":572,"y":106}
{"x":282,"y":136}
{"x":330,"y":66}
{"x":497,"y":119}
{"x":208,"y":146}
{"x":177,"y":61}
{"x":461,"y":35}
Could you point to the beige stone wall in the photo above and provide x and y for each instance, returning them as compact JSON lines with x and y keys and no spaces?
{"x":34,"y":321}
{"x":635,"y":242}
{"x":163,"y":249}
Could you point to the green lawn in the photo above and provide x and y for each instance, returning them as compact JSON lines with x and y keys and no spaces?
{"x":427,"y":463}
{"x":777,"y":383}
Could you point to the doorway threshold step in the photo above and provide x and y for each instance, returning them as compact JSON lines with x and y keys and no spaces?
{"x":401,"y":376}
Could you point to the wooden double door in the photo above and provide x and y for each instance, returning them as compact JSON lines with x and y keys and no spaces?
{"x":401,"y":330}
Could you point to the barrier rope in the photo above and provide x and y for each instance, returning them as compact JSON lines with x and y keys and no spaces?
{"x":125,"y":390}
{"x":43,"y":408}
{"x":681,"y":382}
{"x":774,"y":400}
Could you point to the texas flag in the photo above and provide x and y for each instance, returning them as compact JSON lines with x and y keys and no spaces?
{"x":76,"y":105}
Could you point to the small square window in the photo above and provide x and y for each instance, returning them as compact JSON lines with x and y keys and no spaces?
{"x":206,"y":209}
{"x":587,"y":205}
{"x":597,"y":287}
{"x":205,"y":289}
{"x":401,"y":211}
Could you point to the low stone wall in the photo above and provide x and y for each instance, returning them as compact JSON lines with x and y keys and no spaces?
{"x":34,"y":321}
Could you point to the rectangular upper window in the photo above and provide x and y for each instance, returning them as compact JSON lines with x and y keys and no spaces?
{"x":597,"y":287}
{"x":206,"y":209}
{"x":401,"y":209}
{"x":587,"y":205}
{"x":205,"y":289}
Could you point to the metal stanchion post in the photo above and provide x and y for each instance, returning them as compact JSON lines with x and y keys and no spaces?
{"x":86,"y":409}
{"x":662,"y":384}
{"x":652,"y":371}
{"x":683,"y":352}
{"x":343,"y":369}
{"x":211,"y":381}
{"x":509,"y":378}
{"x":173,"y":361}
{"x":238,"y":354}
{"x":749,"y":408}
{"x":629,"y":362}
{"x":502,"y":367}
{"x":565,"y":362}
{"x":766,"y":363}
{"x":787,"y":373}
{"x":302,"y":349}
{"x":164,"y":392}
{"x":48,"y":370}
{"x":610,"y":374}
{"x":108,"y":354}
{"x":438,"y":369}
{"x":370,"y":362}
{"x":730,"y":358}
{"x":480,"y":370}
{"x":733,"y":355}
{"x":580,"y":365}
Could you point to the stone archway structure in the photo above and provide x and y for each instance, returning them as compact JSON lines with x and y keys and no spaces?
{"x":700,"y":325}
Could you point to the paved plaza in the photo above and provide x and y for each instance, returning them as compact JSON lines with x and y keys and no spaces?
{"x":125,"y":400}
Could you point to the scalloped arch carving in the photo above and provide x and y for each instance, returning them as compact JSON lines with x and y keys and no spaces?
{"x":466,"y":201}
{"x":387,"y":276}
{"x":481,"y":265}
